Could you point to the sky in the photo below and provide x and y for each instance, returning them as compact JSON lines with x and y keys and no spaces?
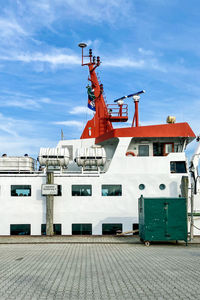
{"x":143,"y":44}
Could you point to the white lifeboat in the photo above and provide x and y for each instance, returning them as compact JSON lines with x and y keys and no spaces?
{"x":95,"y":156}
{"x":54,"y":157}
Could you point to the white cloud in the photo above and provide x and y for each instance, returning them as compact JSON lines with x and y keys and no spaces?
{"x":128,"y":62}
{"x":99,"y":10}
{"x":10,"y":28}
{"x":145,"y":52}
{"x":25,"y":104}
{"x":51,"y":58}
{"x":46,"y":100}
{"x":70,"y":123}
{"x":81,"y":110}
{"x":59,"y":58}
{"x":124,"y":63}
{"x":15,"y":99}
{"x":13,"y":126}
{"x":19,"y":145}
{"x":54,"y":59}
{"x":18,"y":137}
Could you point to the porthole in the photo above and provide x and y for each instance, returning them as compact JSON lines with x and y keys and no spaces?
{"x":141,"y":186}
{"x":162,"y":186}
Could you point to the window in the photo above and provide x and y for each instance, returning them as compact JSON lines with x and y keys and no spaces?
{"x":158,"y":149}
{"x":81,"y":229}
{"x":20,"y":190}
{"x":178,"y":148}
{"x":141,"y":186}
{"x":59,"y":190}
{"x":161,"y":149}
{"x":162,"y":186}
{"x":81,"y":190}
{"x":110,"y":229}
{"x":111,"y":190}
{"x":143,"y":150}
{"x":169,"y":147}
{"x":20,"y":229}
{"x":178,"y":167}
{"x":56,"y":229}
{"x":136,"y":227}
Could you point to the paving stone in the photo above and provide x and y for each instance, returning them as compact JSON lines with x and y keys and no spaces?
{"x":99,"y":271}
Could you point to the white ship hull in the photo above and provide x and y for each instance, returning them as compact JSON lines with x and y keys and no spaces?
{"x":129,"y":172}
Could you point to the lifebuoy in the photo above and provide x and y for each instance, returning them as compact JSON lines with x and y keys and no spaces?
{"x":131,"y":153}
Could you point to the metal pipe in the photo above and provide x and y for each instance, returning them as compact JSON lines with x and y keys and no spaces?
{"x":49,"y":206}
{"x":136,"y":114}
{"x":192,"y":212}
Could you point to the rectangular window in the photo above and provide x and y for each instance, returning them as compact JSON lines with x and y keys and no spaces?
{"x":158,"y":149}
{"x":56,"y":229}
{"x":143,"y":150}
{"x":20,"y":190}
{"x":81,"y":229}
{"x":59,"y":190}
{"x":110,"y":229}
{"x":111,"y":190}
{"x":20,"y":229}
{"x":177,"y":148}
{"x":178,"y":167}
{"x":81,"y":190}
{"x":136,"y":227}
{"x":168,"y":148}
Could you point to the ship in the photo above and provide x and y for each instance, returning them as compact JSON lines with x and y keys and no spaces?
{"x":91,"y":185}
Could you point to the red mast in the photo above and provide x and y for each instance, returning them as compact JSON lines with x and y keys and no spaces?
{"x":101,"y":123}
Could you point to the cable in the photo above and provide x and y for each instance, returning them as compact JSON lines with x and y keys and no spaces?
{"x":196,"y":227}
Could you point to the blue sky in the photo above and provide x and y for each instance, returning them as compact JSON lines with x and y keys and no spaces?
{"x":143,"y":44}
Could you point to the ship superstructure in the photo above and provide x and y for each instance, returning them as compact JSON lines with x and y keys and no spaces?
{"x":99,"y":177}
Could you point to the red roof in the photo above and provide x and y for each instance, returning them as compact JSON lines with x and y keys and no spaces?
{"x":152,"y":131}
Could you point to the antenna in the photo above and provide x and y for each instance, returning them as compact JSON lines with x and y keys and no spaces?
{"x":62,"y":135}
{"x":82,"y":46}
{"x":131,"y":95}
{"x":136,"y":99}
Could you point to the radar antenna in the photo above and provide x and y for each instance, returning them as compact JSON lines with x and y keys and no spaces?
{"x":136,"y":99}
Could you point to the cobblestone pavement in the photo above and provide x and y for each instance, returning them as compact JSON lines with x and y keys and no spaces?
{"x":76,"y":239}
{"x":70,"y":239}
{"x":99,"y":271}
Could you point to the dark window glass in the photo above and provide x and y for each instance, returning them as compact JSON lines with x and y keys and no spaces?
{"x":143,"y":150}
{"x":158,"y":149}
{"x":178,"y":167}
{"x":81,"y":229}
{"x":59,"y":190}
{"x":141,"y":186}
{"x":111,"y":190}
{"x":81,"y":190}
{"x":56,"y":229}
{"x":162,"y":186}
{"x":136,"y":227}
{"x":110,"y":229}
{"x":20,"y":190}
{"x":20,"y":229}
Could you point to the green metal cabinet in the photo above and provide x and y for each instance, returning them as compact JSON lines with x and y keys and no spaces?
{"x":162,"y":219}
